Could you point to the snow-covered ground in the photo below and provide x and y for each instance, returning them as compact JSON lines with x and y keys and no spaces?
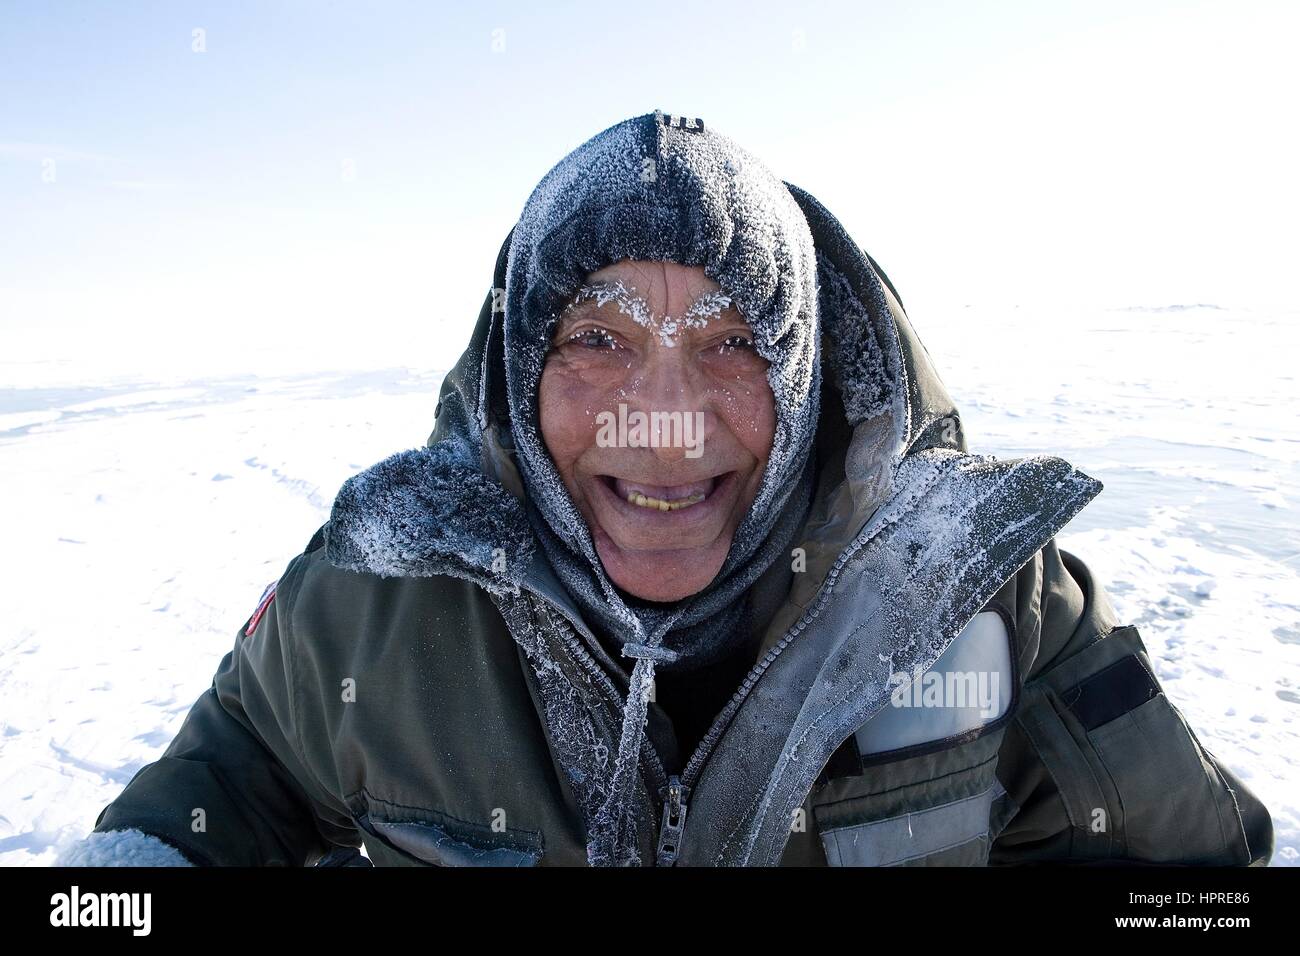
{"x":1187,"y":416}
{"x":146,"y":514}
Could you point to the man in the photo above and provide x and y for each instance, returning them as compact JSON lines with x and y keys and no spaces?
{"x":694,"y":569}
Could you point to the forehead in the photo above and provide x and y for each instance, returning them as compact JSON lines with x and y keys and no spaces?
{"x":664,"y":284}
{"x":649,"y":272}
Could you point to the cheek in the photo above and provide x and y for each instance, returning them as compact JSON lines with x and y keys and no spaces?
{"x":567,"y":415}
{"x":747,"y":408}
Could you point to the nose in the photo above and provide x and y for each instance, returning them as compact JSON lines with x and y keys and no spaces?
{"x":672,"y":392}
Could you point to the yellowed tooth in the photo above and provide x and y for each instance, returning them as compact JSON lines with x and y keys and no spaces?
{"x":645,"y":501}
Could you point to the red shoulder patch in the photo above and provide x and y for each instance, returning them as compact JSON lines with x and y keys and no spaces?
{"x":263,"y":603}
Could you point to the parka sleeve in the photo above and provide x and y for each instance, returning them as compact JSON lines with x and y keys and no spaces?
{"x":232,"y":788}
{"x":1099,"y":765}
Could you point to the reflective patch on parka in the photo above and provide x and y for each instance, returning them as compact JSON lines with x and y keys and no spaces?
{"x":969,"y":687}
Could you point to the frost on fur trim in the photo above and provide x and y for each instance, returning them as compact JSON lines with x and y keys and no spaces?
{"x":862,"y":358}
{"x":428,"y":511}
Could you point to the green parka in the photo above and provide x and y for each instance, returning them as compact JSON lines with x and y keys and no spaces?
{"x":398,"y":685}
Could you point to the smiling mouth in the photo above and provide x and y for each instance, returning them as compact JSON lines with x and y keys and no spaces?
{"x":663,"y":497}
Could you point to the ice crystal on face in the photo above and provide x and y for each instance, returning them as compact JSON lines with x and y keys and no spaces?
{"x":703,"y":310}
{"x":628,"y":302}
{"x":706,"y":307}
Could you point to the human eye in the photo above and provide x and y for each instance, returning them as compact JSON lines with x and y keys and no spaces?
{"x":736,"y":343}
{"x":733,"y":353}
{"x":593,"y":339}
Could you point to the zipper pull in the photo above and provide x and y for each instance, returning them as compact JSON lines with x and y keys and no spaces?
{"x":670,"y":831}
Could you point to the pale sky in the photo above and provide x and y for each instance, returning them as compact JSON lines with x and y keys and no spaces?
{"x":330,"y":185}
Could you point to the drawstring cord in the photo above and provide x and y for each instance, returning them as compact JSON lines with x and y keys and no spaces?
{"x":613,"y":819}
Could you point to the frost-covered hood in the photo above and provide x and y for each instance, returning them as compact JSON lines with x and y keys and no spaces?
{"x":908,"y":537}
{"x":651,"y":189}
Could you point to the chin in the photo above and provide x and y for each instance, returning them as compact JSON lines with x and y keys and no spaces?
{"x":661,"y":576}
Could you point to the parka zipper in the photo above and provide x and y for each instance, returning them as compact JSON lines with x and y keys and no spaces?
{"x":695,"y":766}
{"x":673,"y":791}
{"x":670,"y":830}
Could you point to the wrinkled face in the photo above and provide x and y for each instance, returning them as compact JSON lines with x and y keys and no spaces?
{"x":656,"y":410}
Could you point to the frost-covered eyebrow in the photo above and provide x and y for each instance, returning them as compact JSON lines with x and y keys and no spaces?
{"x":707,"y":305}
{"x":593,"y":295}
